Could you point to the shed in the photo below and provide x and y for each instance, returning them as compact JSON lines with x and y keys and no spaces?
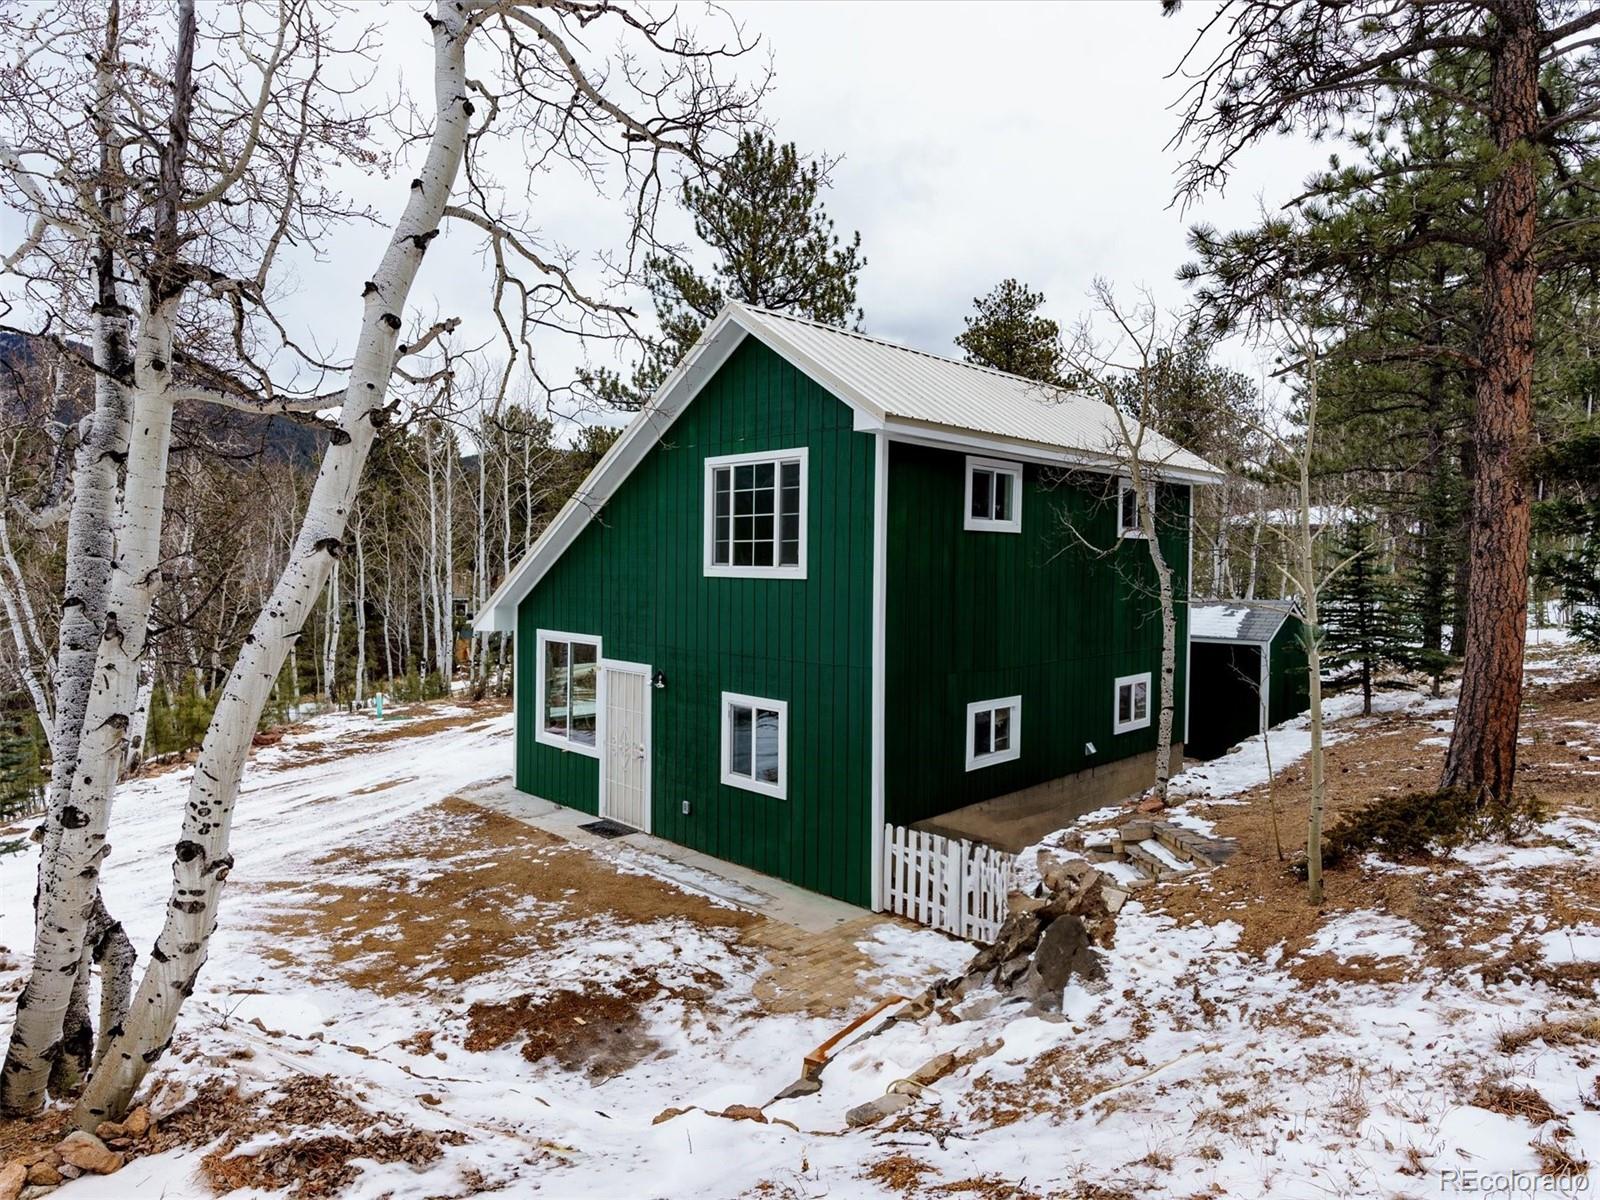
{"x":1247,"y":663}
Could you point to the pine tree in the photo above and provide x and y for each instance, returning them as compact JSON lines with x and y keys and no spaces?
{"x":1567,"y":525}
{"x":774,"y":247}
{"x":1008,"y":333}
{"x":1359,"y":610}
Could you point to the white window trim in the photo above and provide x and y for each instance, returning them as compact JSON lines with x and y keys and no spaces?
{"x":1124,"y":486}
{"x":984,"y":525}
{"x":540,"y":733}
{"x":1014,"y":751}
{"x":779,"y":790}
{"x":1120,"y":726}
{"x":800,"y":455}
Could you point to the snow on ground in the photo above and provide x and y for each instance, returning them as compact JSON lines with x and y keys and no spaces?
{"x":1349,"y":1064}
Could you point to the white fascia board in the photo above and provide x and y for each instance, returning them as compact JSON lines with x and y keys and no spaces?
{"x":947,"y":438}
{"x":499,"y":612}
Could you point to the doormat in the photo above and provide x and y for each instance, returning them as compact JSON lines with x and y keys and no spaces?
{"x":607,"y":828}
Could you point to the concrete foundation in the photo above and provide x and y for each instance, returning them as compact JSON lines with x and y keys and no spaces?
{"x":1019,"y":819}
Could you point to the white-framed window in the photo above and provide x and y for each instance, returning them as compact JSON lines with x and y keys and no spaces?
{"x":994,"y":731}
{"x":755,"y":744}
{"x":994,"y":496}
{"x":568,"y":684}
{"x":756,"y":515}
{"x":1128,"y":523}
{"x":1132,"y":709}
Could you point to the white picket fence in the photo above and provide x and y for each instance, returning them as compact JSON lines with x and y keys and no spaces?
{"x":948,"y":883}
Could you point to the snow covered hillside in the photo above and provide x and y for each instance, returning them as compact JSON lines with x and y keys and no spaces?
{"x":412,"y":994}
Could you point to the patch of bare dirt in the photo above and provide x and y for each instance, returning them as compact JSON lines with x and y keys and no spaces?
{"x":27,"y":1136}
{"x":900,"y":1172}
{"x":599,"y":1029}
{"x":318,"y":1130}
{"x":457,"y":892}
{"x":1443,"y":897}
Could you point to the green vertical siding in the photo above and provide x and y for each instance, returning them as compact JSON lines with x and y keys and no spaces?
{"x":1288,"y":688}
{"x":977,"y":616}
{"x":635,"y":578}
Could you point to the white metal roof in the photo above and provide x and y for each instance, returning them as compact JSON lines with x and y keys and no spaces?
{"x":898,"y":383}
{"x":907,"y":394}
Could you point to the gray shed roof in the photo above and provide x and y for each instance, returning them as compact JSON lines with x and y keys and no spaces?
{"x":1238,"y":620}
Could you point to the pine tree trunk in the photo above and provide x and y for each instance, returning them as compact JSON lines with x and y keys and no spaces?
{"x":202,"y":860}
{"x":1482,"y":758}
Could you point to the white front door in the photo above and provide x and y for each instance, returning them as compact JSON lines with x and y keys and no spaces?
{"x":625,"y":738}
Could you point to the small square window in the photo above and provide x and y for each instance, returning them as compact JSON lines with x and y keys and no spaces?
{"x":755,"y":744}
{"x":994,"y":496}
{"x":1132,"y":703}
{"x":1128,"y":523}
{"x":994,"y":731}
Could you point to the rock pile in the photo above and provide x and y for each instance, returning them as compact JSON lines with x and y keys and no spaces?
{"x":79,"y":1153}
{"x":1049,"y":940}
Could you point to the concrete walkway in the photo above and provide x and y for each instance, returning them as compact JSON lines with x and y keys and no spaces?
{"x":725,"y":881}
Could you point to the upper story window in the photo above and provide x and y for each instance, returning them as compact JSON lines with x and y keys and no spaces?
{"x":1128,"y":523}
{"x":568,"y":690}
{"x":755,"y":744}
{"x":1133,"y":703}
{"x":994,"y":496}
{"x":994,"y":731}
{"x":756,"y":514}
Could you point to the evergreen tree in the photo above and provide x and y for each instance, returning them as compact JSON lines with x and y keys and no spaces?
{"x":1007,"y":332}
{"x":1514,"y":194}
{"x":774,"y":247}
{"x":1359,"y":610}
{"x":1567,"y":523}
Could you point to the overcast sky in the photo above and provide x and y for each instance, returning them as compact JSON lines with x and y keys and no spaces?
{"x":976,"y":142}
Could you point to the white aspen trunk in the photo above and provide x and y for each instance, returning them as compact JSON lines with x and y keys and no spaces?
{"x":330,"y":649}
{"x":140,"y":725}
{"x":433,"y":560}
{"x":480,"y":566}
{"x":28,"y":663}
{"x":361,"y":618}
{"x":388,"y":615}
{"x":447,"y":608}
{"x":202,"y":859}
{"x":1308,"y":601}
{"x":1167,"y":697}
{"x":1255,"y":548}
{"x":70,"y":868}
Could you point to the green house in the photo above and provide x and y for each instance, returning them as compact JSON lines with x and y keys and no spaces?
{"x":823,"y":584}
{"x":1248,"y":663}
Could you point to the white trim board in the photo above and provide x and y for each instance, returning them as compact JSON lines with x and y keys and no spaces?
{"x":1117,"y":724}
{"x":540,"y":734}
{"x":997,"y":468}
{"x":777,"y":791}
{"x":799,"y":454}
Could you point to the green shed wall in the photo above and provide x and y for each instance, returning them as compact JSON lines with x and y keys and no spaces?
{"x":635,"y":578}
{"x":1288,"y":689}
{"x":983,"y":615}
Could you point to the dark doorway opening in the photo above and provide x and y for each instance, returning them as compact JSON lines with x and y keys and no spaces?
{"x":1224,"y":697}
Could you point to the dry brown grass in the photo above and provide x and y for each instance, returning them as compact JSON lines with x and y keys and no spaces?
{"x":1564,"y":1031}
{"x":319,"y":1132}
{"x":597,"y":1028}
{"x":1559,"y":1158}
{"x":1385,"y":758}
{"x":495,"y":891}
{"x":900,"y":1172}
{"x":1513,"y":1100}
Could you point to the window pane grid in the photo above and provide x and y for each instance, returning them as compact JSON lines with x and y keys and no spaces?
{"x":756,"y":514}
